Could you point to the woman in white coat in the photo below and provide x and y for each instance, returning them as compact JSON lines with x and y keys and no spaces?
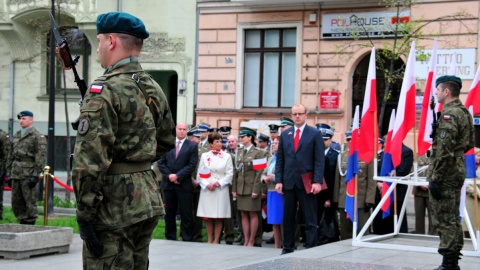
{"x":215,"y":173}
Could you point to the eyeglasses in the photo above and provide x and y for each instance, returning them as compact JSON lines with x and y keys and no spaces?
{"x":298,"y":114}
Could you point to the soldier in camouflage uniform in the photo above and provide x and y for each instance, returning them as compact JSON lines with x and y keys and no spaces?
{"x":125,"y":124}
{"x":5,"y":145}
{"x":453,"y":137}
{"x":25,"y":163}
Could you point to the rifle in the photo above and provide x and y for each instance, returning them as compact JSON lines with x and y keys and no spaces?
{"x":435,"y":118}
{"x":68,"y":62}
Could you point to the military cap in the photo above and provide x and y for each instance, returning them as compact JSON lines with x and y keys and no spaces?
{"x":203,"y":127}
{"x":24,"y":113}
{"x":348,"y":134}
{"x":286,"y":121}
{"x":247,"y":131}
{"x":263,"y":138}
{"x":213,"y":130}
{"x":194,"y":132}
{"x":224,"y":130}
{"x":121,"y":22}
{"x":273,"y":128}
{"x":327,"y":132}
{"x":449,"y":78}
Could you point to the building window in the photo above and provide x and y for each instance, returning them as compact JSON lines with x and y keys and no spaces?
{"x":270,"y":68}
{"x":79,"y":45}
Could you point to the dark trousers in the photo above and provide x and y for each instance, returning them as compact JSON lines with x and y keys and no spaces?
{"x":308,"y":204}
{"x":182,"y":201}
{"x":198,"y":224}
{"x":422,"y":205}
{"x":228,"y":222}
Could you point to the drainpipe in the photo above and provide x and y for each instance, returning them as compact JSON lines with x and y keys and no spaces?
{"x":119,"y":5}
{"x":195,"y":76}
{"x":12,"y":87}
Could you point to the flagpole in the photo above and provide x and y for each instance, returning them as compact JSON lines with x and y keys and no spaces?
{"x":355,"y":223}
{"x":475,"y":198}
{"x":395,"y":215}
{"x":375,"y":144}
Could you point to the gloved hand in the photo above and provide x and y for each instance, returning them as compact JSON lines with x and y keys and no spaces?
{"x":434,"y":187}
{"x":32,"y":181}
{"x":87,"y":233}
{"x":368,"y":206}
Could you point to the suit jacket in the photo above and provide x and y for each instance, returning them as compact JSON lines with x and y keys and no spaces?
{"x":183,"y":166}
{"x":271,"y":185}
{"x":403,"y":169}
{"x":309,"y":157}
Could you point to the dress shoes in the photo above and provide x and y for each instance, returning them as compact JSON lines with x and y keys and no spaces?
{"x":229,"y":242}
{"x":239,"y":238}
{"x":285,"y":252}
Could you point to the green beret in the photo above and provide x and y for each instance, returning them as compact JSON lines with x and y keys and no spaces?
{"x":24,"y":113}
{"x":121,"y":22}
{"x":449,"y":78}
{"x":247,"y":131}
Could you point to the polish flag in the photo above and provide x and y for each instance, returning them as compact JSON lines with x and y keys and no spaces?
{"x":264,"y":211}
{"x":368,"y":130}
{"x":259,"y":164}
{"x":426,"y":117}
{"x":473,"y":98}
{"x":405,"y":119}
{"x":352,"y":169}
{"x":204,"y":173}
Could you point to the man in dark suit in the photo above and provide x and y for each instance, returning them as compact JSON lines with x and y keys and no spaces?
{"x":300,"y":152}
{"x":177,"y":167}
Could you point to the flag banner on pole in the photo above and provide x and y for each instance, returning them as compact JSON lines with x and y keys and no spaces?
{"x":259,"y":164}
{"x":368,"y":130}
{"x":352,"y":169}
{"x":204,"y":173}
{"x":473,"y":98}
{"x":470,"y":165}
{"x":405,"y":119}
{"x":387,"y":167}
{"x":426,"y":117}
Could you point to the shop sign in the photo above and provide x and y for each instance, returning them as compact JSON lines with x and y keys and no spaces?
{"x":329,"y":100}
{"x":462,"y":60}
{"x":364,"y":24}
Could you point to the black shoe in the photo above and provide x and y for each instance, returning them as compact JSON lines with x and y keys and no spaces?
{"x":285,"y":252}
{"x":450,"y":262}
{"x":239,"y":238}
{"x":229,"y":242}
{"x":241,"y":243}
{"x":270,"y":241}
{"x":257,"y":245}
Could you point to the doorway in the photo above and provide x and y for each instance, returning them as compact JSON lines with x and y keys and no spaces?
{"x":359,"y":83}
{"x":168,"y":80}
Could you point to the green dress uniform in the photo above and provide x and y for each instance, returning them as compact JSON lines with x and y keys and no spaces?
{"x":454,"y":136}
{"x":27,"y":159}
{"x":248,"y":180}
{"x":5,"y":145}
{"x":422,"y":203}
{"x":366,"y":188}
{"x":125,"y":124}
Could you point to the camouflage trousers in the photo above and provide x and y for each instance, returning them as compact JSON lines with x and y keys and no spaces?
{"x":124,"y":248}
{"x":445,"y":218}
{"x":24,"y":201}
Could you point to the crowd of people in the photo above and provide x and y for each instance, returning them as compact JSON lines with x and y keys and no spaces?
{"x":290,"y":181}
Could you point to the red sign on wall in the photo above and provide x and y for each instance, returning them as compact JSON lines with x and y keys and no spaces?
{"x":329,"y":100}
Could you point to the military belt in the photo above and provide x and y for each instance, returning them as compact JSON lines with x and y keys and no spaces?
{"x":25,"y":159}
{"x":128,"y":167}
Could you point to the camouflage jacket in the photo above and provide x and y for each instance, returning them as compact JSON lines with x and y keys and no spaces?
{"x":117,"y":127}
{"x":454,"y":136}
{"x":5,"y":145}
{"x":27,"y":154}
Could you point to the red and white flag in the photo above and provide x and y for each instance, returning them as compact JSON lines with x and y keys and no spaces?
{"x":405,"y":118}
{"x":264,"y":211}
{"x":473,"y":98}
{"x":368,"y":129}
{"x":259,"y":164}
{"x":204,"y":173}
{"x":426,"y":117}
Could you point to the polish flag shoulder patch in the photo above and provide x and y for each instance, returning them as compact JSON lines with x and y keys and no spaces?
{"x":96,"y":88}
{"x":446,"y":117}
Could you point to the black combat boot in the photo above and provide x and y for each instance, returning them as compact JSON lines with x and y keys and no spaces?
{"x":450,"y":262}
